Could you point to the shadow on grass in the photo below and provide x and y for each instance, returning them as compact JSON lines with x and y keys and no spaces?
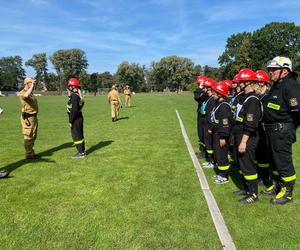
{"x":15,"y":165}
{"x":123,"y":118}
{"x":98,"y":146}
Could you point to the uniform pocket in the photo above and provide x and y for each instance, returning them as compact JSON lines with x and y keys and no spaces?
{"x":284,"y":140}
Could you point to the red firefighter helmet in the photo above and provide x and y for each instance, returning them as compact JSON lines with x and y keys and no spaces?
{"x":221,"y":88}
{"x":200,"y":80}
{"x":262,"y":76}
{"x":229,"y":84}
{"x":246,"y":74}
{"x":235,"y":79}
{"x":209,"y":82}
{"x":73,"y":82}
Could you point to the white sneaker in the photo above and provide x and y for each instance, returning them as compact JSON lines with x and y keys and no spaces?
{"x":208,"y":165}
{"x":221,"y":180}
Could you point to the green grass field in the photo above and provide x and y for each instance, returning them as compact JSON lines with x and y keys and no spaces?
{"x":136,"y":189}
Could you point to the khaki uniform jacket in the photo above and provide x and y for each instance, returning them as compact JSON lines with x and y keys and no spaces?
{"x":29,"y":104}
{"x":127,"y":92}
{"x":113,"y":95}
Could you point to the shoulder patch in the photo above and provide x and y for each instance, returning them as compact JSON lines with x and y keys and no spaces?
{"x":250,"y":117}
{"x":293,"y":102}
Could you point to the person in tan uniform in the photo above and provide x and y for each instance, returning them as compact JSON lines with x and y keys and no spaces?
{"x":115,"y":102}
{"x":29,"y":119}
{"x":127,"y":93}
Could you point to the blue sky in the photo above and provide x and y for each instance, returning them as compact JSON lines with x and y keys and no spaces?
{"x":137,"y":31}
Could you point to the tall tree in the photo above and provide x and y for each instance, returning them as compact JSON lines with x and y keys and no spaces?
{"x":131,"y":74}
{"x":197,"y":71}
{"x":68,"y":63}
{"x":11,"y":72}
{"x":172,"y":72}
{"x":93,"y":83}
{"x":236,"y":54}
{"x":212,"y":72}
{"x":40,"y":64}
{"x":106,"y":79}
{"x":84,"y":79}
{"x":53,"y":82}
{"x":275,"y":39}
{"x":253,"y":50}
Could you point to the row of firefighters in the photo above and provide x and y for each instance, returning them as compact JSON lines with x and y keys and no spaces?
{"x":253,"y":118}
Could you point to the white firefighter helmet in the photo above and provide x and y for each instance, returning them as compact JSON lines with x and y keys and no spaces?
{"x":280,"y":62}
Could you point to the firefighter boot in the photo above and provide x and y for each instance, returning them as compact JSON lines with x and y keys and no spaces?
{"x":249,"y":199}
{"x":285,"y":195}
{"x":269,"y":190}
{"x":253,"y":190}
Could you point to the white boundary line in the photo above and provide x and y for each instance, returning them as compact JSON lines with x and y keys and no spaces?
{"x":223,"y":233}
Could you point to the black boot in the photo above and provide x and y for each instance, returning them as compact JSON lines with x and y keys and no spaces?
{"x":269,"y":190}
{"x":249,"y":199}
{"x":285,"y":195}
{"x":253,"y":190}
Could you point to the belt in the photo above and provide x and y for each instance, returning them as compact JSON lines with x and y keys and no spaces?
{"x":277,"y":126}
{"x":27,"y":115}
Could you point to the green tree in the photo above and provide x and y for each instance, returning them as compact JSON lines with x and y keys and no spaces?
{"x":68,"y":63}
{"x":275,"y":39}
{"x":94,"y":83}
{"x":236,"y":54}
{"x":131,"y":74}
{"x":212,"y":72}
{"x":39,"y":63}
{"x":197,"y":72}
{"x":172,"y":72}
{"x":85,"y":81}
{"x":11,"y":72}
{"x":53,"y":82}
{"x":255,"y":49}
{"x":106,"y":80}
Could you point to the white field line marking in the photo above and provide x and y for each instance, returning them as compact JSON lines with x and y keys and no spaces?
{"x":223,"y":233}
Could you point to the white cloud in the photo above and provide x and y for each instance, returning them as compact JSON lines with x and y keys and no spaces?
{"x":39,"y":2}
{"x":247,"y":10}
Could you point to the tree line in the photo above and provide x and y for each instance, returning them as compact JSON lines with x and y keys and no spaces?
{"x":246,"y":49}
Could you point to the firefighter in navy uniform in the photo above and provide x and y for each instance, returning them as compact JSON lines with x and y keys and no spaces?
{"x":261,"y":155}
{"x":238,"y":95}
{"x":245,"y":132}
{"x":221,"y":120}
{"x":74,"y":109}
{"x":280,"y":120}
{"x":206,"y":109}
{"x":200,"y":96}
{"x":236,"y":99}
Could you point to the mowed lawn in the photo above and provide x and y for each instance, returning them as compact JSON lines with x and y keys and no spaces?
{"x":136,"y":189}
